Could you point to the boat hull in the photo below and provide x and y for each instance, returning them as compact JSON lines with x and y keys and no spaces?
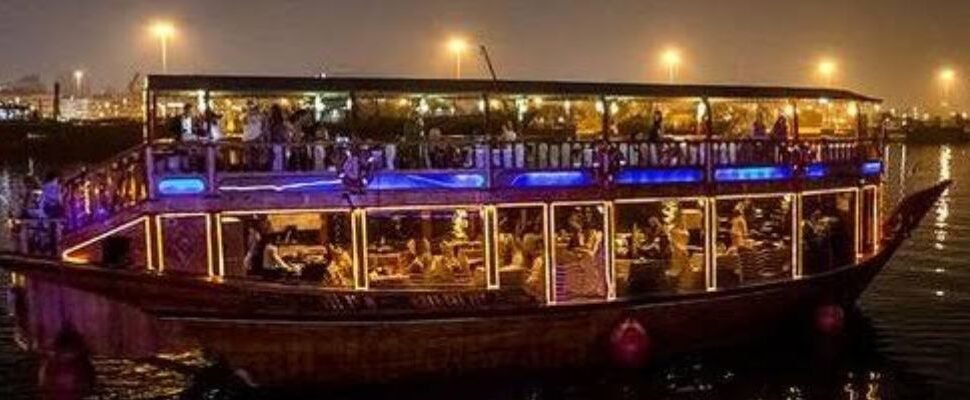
{"x":279,"y":335}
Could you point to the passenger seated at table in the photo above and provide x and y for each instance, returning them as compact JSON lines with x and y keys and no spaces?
{"x":341,"y":268}
{"x":740,"y":236}
{"x":273,"y":264}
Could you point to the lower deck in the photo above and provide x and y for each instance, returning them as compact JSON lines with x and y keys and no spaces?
{"x":551,"y":252}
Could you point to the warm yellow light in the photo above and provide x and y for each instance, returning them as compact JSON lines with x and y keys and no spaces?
{"x":827,"y":68}
{"x":457,"y":45}
{"x":78,"y":75}
{"x":162,"y":29}
{"x":671,"y":57}
{"x":947,"y":75}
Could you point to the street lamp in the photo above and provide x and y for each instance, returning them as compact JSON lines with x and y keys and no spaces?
{"x":947,"y":76}
{"x":671,"y":59}
{"x":457,"y":46}
{"x":78,"y":78}
{"x":163,"y":31}
{"x":827,"y":69}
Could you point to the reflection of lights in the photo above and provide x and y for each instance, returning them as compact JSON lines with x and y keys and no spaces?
{"x":940,"y":293}
{"x":939,"y":270}
{"x":941,"y":226}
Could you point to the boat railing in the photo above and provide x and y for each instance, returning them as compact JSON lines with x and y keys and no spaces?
{"x":100,"y":192}
{"x":97,"y":193}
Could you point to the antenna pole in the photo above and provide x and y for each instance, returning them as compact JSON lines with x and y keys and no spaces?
{"x":488,"y":61}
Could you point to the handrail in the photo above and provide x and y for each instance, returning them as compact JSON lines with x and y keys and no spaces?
{"x":127,"y":179}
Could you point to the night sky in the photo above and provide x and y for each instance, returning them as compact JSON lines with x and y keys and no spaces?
{"x":887,"y":48}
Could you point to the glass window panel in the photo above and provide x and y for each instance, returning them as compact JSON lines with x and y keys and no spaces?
{"x":310,"y":248}
{"x":742,"y":119}
{"x":546,"y":117}
{"x":579,"y":258}
{"x":828,"y":231}
{"x":680,"y":117}
{"x":421,"y":249}
{"x":754,"y":240}
{"x":659,"y":247}
{"x":632,"y":118}
{"x":827,"y":118}
{"x":521,"y":249}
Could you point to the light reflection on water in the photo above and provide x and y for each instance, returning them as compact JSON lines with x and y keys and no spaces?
{"x":943,"y":207}
{"x":910,"y":339}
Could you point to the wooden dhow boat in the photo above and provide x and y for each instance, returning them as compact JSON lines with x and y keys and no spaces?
{"x":339,"y":230}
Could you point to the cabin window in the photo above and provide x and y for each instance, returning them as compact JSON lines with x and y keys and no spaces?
{"x":869,"y":219}
{"x":754,"y":240}
{"x":413,"y":117}
{"x":659,"y":247}
{"x":828,"y":231}
{"x":551,"y":118}
{"x":306,"y":247}
{"x":521,"y":249}
{"x":681,"y":118}
{"x":579,"y":252}
{"x":632,"y":118}
{"x":752,"y":119}
{"x":827,"y":118}
{"x":431,"y":248}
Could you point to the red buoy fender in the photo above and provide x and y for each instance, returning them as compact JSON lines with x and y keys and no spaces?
{"x":630,"y":344}
{"x":829,"y":319}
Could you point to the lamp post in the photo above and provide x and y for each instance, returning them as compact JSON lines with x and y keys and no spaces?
{"x":671,"y":59}
{"x":78,"y":80}
{"x":457,"y":46}
{"x":826,"y":70}
{"x":163,"y":31}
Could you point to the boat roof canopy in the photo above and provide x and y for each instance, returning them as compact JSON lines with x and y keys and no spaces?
{"x":254,"y":84}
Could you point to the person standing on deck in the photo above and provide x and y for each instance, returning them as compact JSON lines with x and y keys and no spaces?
{"x":253,"y":126}
{"x":278,"y":135}
{"x":189,"y":120}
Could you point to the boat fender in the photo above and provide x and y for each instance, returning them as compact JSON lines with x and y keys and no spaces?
{"x":829,"y":319}
{"x":630,"y":344}
{"x":66,"y":372}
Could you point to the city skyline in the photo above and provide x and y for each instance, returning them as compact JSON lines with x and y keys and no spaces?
{"x":743,"y":42}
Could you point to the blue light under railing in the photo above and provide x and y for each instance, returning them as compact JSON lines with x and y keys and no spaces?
{"x":870,"y":168}
{"x":181,"y":186}
{"x":427,"y":180}
{"x":816,"y":171}
{"x":385,"y":180}
{"x":752,"y":174}
{"x":649,"y":176}
{"x":549,"y":179}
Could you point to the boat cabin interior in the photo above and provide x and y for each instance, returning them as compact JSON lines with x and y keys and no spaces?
{"x":564,"y":192}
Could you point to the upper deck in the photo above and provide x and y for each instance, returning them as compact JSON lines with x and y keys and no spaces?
{"x":389,"y":142}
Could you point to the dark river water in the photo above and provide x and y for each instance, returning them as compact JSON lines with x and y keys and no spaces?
{"x":909,"y":337}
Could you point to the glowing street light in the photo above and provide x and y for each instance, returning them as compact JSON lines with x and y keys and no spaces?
{"x":457,"y":46}
{"x":947,"y":76}
{"x":671,"y":59}
{"x":78,"y":79}
{"x":827,"y":70}
{"x":164,"y":31}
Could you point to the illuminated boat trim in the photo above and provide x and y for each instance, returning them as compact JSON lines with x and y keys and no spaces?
{"x":650,"y":176}
{"x":751,"y":174}
{"x":549,"y":179}
{"x":181,"y":186}
{"x":870,"y":168}
{"x":816,"y":171}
